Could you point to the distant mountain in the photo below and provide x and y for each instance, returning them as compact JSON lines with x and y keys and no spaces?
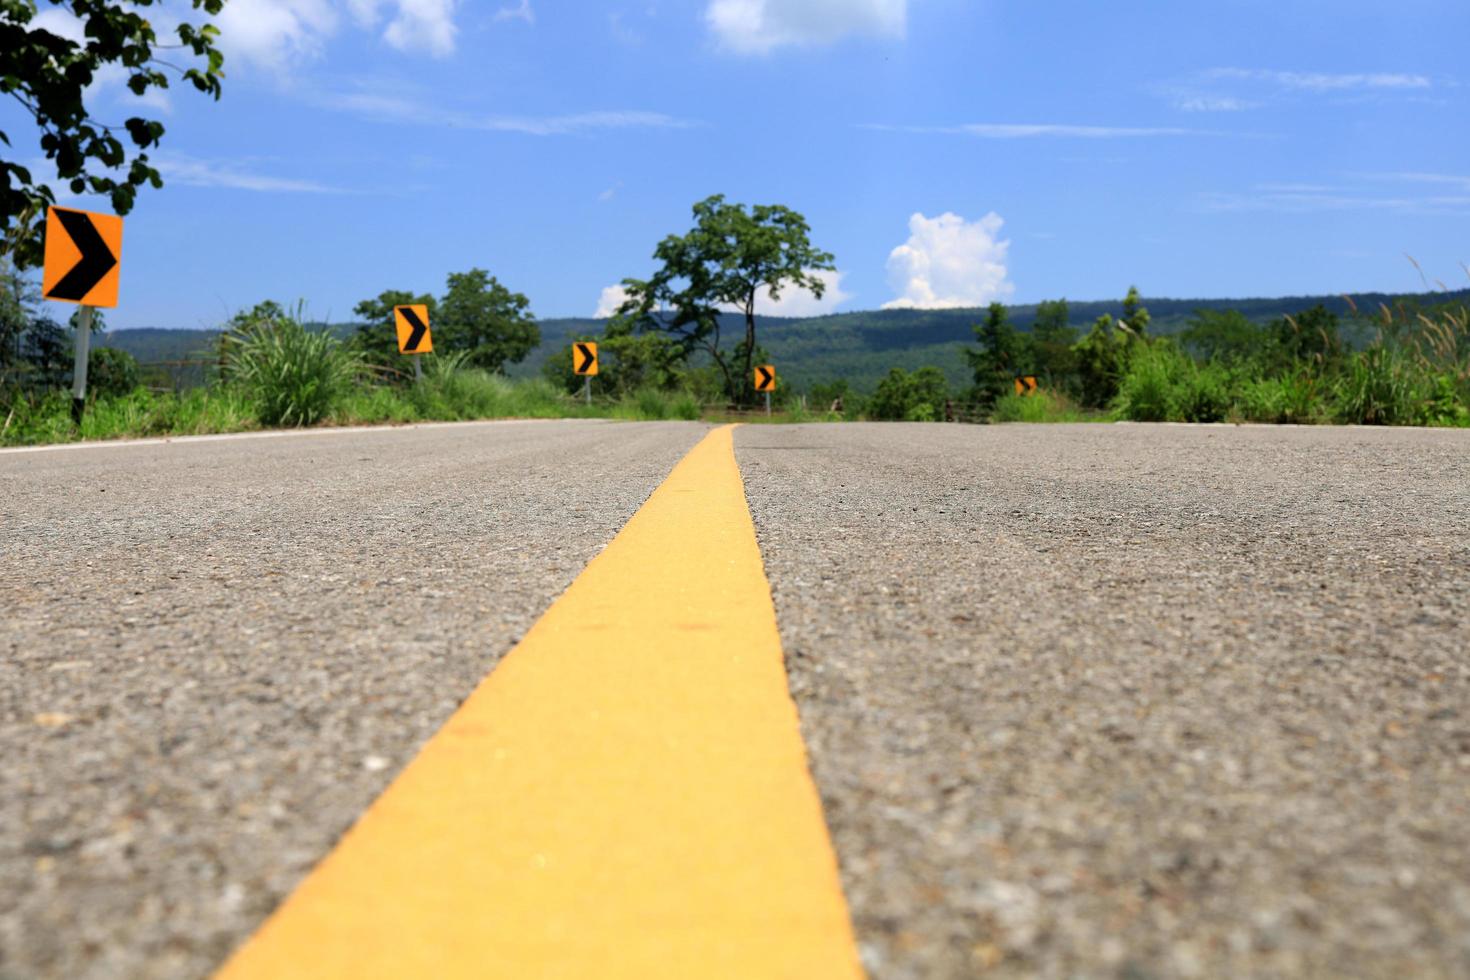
{"x":860,"y":346}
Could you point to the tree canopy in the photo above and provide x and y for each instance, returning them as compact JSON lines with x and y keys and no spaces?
{"x":50,"y":76}
{"x":477,"y":315}
{"x":725,"y":262}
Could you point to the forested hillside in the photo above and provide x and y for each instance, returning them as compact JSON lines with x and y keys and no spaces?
{"x":860,"y":347}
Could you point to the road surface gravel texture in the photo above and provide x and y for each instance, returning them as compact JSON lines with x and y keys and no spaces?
{"x":1132,"y":701}
{"x":214,"y":655}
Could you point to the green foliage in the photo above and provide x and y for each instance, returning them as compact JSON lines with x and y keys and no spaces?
{"x":46,"y":349}
{"x":1310,"y":339}
{"x":487,"y":321}
{"x":1148,"y":390}
{"x":916,"y":397}
{"x":47,"y":418}
{"x":1052,"y":338}
{"x":730,"y":258}
{"x":1003,"y":355}
{"x":1100,"y":359}
{"x":627,"y":361}
{"x":376,"y":339}
{"x":1136,"y":317}
{"x":1224,"y":335}
{"x":1162,"y":383}
{"x":293,"y":375}
{"x":49,"y":75}
{"x":1381,"y":386}
{"x":1044,"y":405}
{"x":111,"y":372}
{"x":655,"y":404}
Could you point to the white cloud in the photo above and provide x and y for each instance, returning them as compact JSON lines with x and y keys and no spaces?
{"x":397,"y":107}
{"x":521,"y":11}
{"x":1309,"y":81}
{"x":607,"y":304}
{"x":949,"y":262}
{"x":793,"y":302}
{"x":273,"y":33}
{"x":1012,"y":131}
{"x":1220,"y":89}
{"x":276,"y":33}
{"x":192,"y":172}
{"x":1214,"y":103}
{"x":801,"y":302}
{"x":423,"y":25}
{"x":759,"y":26}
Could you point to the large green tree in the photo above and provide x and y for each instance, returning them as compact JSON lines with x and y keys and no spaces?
{"x":1052,"y":337}
{"x":729,"y":258}
{"x":479,"y":316}
{"x":49,"y":76}
{"x":1003,"y":355}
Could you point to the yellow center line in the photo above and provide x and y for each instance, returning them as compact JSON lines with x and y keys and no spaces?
{"x":626,"y":795}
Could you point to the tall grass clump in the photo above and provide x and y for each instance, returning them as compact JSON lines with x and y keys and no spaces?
{"x":1381,"y":386}
{"x":1148,"y":389}
{"x":292,"y":375}
{"x":451,"y":391}
{"x":656,"y":404}
{"x":1043,"y":405}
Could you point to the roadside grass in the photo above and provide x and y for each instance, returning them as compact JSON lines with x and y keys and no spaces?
{"x":1040,"y":406}
{"x":451,"y":394}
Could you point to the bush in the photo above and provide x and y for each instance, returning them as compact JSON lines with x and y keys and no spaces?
{"x":111,"y":372}
{"x":1381,"y":387}
{"x":1202,"y":393}
{"x":1044,"y":405}
{"x":293,"y":375}
{"x":1147,"y":390}
{"x":917,"y":397}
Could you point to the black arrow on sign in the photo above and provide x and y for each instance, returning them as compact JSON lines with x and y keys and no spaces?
{"x":589,"y":358}
{"x":419,"y":329}
{"x":766,"y":379}
{"x":97,"y":259}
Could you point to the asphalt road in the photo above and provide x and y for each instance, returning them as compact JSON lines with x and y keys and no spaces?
{"x":214,"y":655}
{"x":1136,"y":701}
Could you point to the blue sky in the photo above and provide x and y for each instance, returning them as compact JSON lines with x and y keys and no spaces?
{"x":948,"y":152}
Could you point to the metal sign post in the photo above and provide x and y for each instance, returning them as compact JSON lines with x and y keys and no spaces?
{"x":587,"y":388}
{"x":768,"y":404}
{"x":79,"y":366}
{"x":418,"y":368}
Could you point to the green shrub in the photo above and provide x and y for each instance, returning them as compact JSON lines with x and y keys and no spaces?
{"x":1381,"y":386}
{"x":1202,"y":393}
{"x":1147,"y":390}
{"x":685,"y":406}
{"x":111,"y":372}
{"x":294,"y":376}
{"x":916,"y":397}
{"x":1044,"y":405}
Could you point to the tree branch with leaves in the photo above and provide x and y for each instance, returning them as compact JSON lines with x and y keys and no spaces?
{"x":49,"y":76}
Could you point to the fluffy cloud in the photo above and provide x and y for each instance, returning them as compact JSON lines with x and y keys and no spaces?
{"x":758,"y":26}
{"x":793,"y":302}
{"x":949,"y":262}
{"x":273,"y":33}
{"x":607,"y":304}
{"x":800,"y":302}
